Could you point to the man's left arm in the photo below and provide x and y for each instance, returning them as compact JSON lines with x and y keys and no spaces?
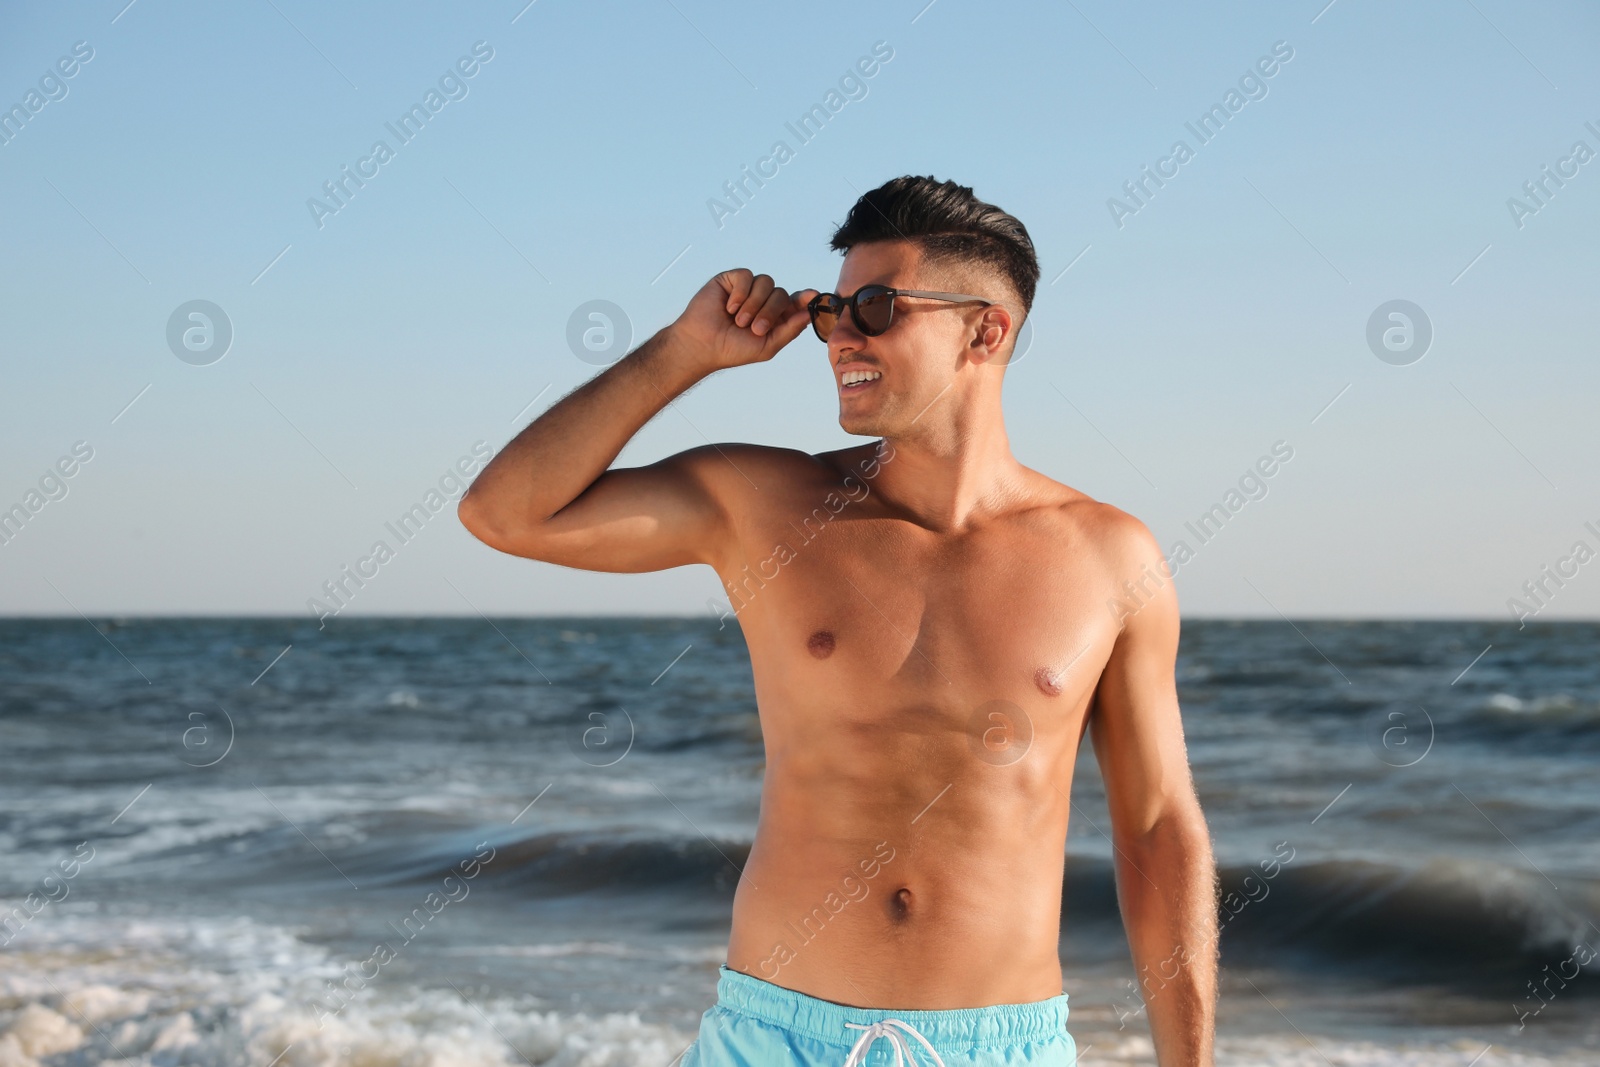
{"x":1166,"y":879}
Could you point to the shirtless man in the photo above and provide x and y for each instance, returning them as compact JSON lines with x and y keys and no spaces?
{"x":932,"y":628}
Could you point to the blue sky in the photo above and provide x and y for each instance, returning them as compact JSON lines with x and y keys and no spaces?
{"x":1169,"y":353}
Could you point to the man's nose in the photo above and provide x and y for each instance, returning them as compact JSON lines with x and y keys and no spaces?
{"x":845,"y":340}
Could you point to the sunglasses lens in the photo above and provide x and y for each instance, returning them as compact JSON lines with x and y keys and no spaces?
{"x":874,"y":309}
{"x":824,"y":317}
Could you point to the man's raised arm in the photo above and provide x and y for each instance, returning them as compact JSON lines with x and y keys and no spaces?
{"x":1166,"y":879}
{"x":548,"y":494}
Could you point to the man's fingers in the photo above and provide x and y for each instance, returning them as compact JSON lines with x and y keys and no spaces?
{"x":760,"y":288}
{"x":780,"y":306}
{"x":775,"y":310}
{"x":770,"y":313}
{"x":790,"y":325}
{"x":737,"y":283}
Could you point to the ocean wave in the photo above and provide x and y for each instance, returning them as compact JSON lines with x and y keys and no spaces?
{"x":1442,"y":915}
{"x":219,"y":994}
{"x":1439,"y":914}
{"x":225,"y":993}
{"x":1432,"y":915}
{"x":1549,"y":724}
{"x":1553,"y":707}
{"x":1462,"y":921}
{"x":561,"y":864}
{"x":549,"y":864}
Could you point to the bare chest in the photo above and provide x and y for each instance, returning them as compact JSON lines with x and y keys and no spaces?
{"x":880,"y":610}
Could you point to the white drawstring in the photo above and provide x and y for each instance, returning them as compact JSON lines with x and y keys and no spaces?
{"x":886,"y":1028}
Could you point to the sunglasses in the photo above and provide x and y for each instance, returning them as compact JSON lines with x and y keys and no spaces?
{"x":871,"y":308}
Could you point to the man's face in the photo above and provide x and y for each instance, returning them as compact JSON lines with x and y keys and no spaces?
{"x":915,"y":360}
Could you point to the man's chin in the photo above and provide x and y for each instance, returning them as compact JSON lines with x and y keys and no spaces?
{"x":861,"y":425}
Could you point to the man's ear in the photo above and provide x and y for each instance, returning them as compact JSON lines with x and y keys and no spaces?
{"x":992,"y":335}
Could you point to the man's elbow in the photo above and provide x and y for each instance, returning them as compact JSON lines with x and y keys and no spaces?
{"x":487,"y":525}
{"x":1178,"y":824}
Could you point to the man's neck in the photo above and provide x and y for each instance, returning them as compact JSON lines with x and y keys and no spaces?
{"x":949,"y":474}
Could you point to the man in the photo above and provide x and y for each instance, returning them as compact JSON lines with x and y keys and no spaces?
{"x":932,"y":628}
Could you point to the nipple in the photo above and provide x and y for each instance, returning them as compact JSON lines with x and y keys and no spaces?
{"x":820,"y":644}
{"x":1048,"y":681}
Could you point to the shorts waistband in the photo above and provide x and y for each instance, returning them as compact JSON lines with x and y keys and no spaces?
{"x":953,"y":1028}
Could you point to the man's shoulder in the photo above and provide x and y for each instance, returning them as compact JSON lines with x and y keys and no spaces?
{"x":740,"y":465}
{"x":840,"y":461}
{"x":1129,"y":558}
{"x":1118,"y":536}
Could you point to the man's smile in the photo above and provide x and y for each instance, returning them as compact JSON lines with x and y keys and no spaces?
{"x":857,"y":377}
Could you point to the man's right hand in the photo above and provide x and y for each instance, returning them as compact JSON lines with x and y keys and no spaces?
{"x":738,"y":318}
{"x":551,"y":493}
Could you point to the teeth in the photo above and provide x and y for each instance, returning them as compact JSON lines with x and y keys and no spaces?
{"x":853,"y":376}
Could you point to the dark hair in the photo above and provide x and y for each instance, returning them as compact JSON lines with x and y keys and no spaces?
{"x":947,"y":223}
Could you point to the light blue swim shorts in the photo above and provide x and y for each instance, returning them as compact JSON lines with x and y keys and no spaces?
{"x":758,"y":1024}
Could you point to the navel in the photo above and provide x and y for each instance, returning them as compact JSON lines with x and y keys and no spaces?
{"x":1048,"y":681}
{"x":820,"y":644}
{"x":899,"y":905}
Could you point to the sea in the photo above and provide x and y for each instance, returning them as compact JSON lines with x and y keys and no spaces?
{"x":420,"y":842}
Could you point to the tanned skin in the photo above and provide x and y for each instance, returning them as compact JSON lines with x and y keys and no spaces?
{"x":930,"y":635}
